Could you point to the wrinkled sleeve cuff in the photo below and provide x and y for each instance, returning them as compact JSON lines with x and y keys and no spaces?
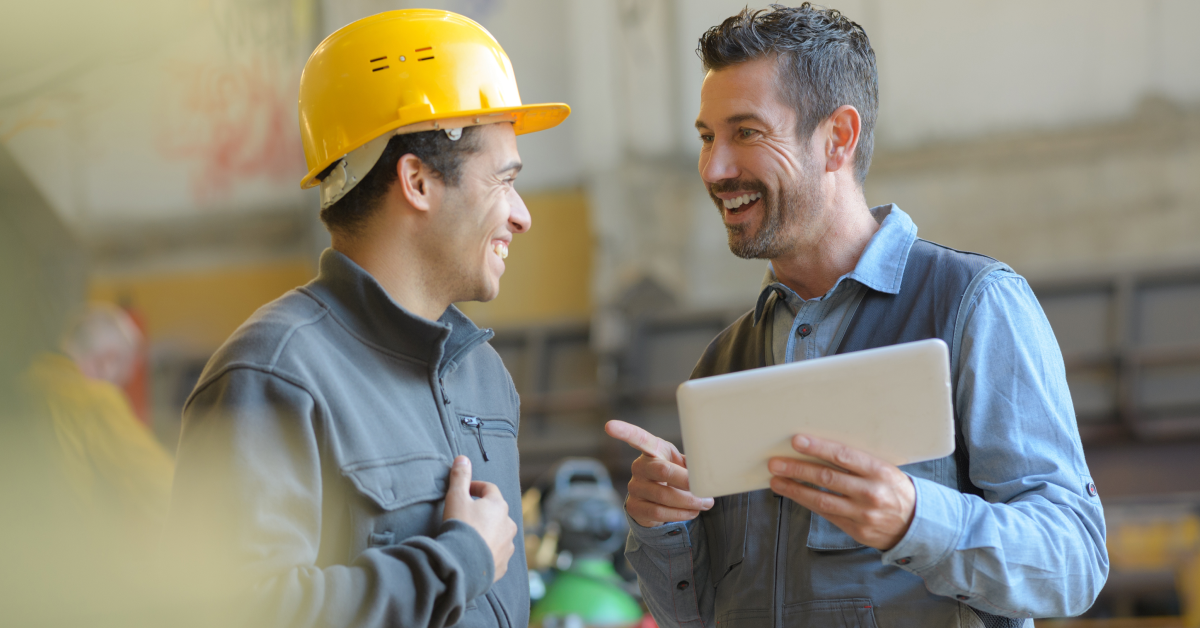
{"x":664,"y":537}
{"x":935,"y":529}
{"x":472,"y":553}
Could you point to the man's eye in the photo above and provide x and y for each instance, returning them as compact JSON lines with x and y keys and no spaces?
{"x":706,"y":138}
{"x":747,"y":133}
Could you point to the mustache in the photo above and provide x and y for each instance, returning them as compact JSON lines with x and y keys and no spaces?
{"x":736,"y":185}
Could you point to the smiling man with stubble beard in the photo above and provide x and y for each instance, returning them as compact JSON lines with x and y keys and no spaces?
{"x":1007,"y":528}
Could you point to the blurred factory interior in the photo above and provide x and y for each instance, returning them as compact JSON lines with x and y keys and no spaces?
{"x":149,"y":157}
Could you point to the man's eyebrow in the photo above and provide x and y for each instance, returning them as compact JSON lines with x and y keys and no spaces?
{"x":742,"y":117}
{"x":512,"y":165}
{"x":734,"y":119}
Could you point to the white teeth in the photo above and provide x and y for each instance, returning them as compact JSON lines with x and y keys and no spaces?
{"x":738,"y":201}
{"x":501,"y":249}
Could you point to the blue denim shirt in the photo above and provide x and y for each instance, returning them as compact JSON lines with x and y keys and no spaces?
{"x":1032,"y":545}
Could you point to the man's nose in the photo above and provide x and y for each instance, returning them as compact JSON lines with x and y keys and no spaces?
{"x":519,"y":220}
{"x":718,"y":163}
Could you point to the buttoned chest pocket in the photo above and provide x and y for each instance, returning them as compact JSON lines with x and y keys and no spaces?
{"x":396,"y":498}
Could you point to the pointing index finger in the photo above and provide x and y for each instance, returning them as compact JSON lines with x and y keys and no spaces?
{"x":641,"y":440}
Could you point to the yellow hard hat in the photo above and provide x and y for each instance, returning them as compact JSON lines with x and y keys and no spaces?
{"x":404,"y":72}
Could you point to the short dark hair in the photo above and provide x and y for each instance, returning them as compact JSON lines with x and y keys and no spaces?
{"x":444,"y":156}
{"x":826,"y":61}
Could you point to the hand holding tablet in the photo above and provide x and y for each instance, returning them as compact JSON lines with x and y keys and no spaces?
{"x":883,"y":407}
{"x":892,"y":403}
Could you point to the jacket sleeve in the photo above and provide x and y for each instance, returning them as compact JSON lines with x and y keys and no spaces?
{"x":1033,"y":544}
{"x":246,"y":518}
{"x":671,"y":561}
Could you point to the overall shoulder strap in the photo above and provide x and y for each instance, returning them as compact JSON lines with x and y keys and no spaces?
{"x":741,"y":346}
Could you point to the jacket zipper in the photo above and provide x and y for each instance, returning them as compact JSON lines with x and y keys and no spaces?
{"x":480,"y":425}
{"x":440,"y":370}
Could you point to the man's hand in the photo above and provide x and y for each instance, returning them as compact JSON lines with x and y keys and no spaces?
{"x":875,"y":500}
{"x":658,"y":492}
{"x":488,"y":514}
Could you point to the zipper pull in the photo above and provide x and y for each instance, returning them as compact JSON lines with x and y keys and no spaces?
{"x":477,"y":423}
{"x":442,"y":387}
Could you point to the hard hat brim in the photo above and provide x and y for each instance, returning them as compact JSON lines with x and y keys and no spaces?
{"x":524,"y":118}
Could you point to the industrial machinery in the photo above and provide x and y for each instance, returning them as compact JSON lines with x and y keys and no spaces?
{"x":577,"y":524}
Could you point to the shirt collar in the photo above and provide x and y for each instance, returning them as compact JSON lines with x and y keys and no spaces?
{"x":880,"y":267}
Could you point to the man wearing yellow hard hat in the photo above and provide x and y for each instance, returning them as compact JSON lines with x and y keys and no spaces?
{"x":350,"y":452}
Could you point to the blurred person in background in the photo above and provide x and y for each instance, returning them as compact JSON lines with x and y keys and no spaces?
{"x":112,"y":462}
{"x":348,"y":457}
{"x":1007,"y":528}
{"x":86,"y":486}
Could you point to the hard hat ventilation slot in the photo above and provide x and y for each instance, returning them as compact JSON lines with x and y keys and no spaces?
{"x":424,"y":58}
{"x":377,"y":59}
{"x":424,"y":49}
{"x":382,"y":68}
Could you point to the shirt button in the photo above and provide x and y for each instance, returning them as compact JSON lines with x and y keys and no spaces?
{"x":675,"y":532}
{"x":682,"y":585}
{"x":1091,"y":489}
{"x":963,"y":597}
{"x":904,"y":561}
{"x":804,"y":330}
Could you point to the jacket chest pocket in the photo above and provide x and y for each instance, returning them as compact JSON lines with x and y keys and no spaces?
{"x":845,"y":613}
{"x":725,"y":529}
{"x":396,"y":498}
{"x":823,"y":536}
{"x":497,"y":432}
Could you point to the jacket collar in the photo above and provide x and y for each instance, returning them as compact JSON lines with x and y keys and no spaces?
{"x":880,"y":267}
{"x":364,"y":308}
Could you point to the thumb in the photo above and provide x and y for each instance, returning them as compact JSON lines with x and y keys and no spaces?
{"x":460,"y":479}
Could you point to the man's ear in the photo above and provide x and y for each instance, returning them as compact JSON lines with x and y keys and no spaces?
{"x":845,"y":126}
{"x":420,"y":186}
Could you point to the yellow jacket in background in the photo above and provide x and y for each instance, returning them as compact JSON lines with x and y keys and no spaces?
{"x":113,"y":462}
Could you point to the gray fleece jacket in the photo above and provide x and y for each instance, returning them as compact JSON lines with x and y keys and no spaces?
{"x":315,"y":455}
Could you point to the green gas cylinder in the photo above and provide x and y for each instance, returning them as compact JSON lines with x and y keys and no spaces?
{"x":590,"y":590}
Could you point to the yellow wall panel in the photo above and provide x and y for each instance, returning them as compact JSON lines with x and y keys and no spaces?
{"x":548,"y":274}
{"x":548,"y":277}
{"x":200,"y":309}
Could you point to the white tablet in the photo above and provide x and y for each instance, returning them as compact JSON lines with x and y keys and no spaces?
{"x":892,"y":402}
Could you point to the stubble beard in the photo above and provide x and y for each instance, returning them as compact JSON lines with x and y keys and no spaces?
{"x":460,"y":273}
{"x":781,"y":213}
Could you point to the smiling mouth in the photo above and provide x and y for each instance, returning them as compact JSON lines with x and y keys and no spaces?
{"x":738,"y":204}
{"x":500,"y":249}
